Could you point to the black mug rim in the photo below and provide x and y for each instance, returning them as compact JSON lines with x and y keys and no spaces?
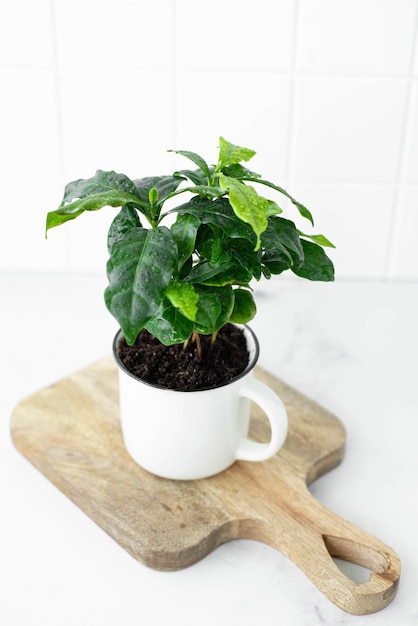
{"x":251,"y":364}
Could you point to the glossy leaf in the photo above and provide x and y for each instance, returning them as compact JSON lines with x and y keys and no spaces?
{"x":139,"y":271}
{"x":113,"y":198}
{"x":214,"y":308}
{"x":165,"y":185}
{"x":275,"y":263}
{"x":207,"y":191}
{"x":304,"y":212}
{"x":246,"y":257}
{"x":184,"y":231}
{"x":209,"y":244}
{"x":247,"y":204}
{"x":316,"y":265}
{"x":230,"y":154}
{"x":281,"y":237}
{"x":236,"y":170}
{"x":92,"y":194}
{"x":101,"y":182}
{"x":205,"y":273}
{"x":238,"y":253}
{"x":273,"y":208}
{"x":169,"y":325}
{"x":184,"y":297}
{"x":218,"y":213}
{"x":197,"y":177}
{"x":244,"y":307}
{"x":197,"y":160}
{"x":319,"y":239}
{"x":126,"y":221}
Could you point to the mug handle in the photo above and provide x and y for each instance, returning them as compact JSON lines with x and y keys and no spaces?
{"x":275,"y":410}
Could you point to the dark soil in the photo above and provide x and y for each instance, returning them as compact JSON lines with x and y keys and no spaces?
{"x":179,"y":367}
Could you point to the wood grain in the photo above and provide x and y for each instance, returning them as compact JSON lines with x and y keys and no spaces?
{"x":71,"y":432}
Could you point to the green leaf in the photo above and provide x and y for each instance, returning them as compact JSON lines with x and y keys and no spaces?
{"x":114,"y":198}
{"x":245,"y":256}
{"x":247,"y":205}
{"x":169,"y":325}
{"x":209,"y":244}
{"x":282,"y":247}
{"x":229,"y":154}
{"x":321,"y":240}
{"x":153,"y":195}
{"x":216,"y":251}
{"x":184,"y":297}
{"x":213,"y":245}
{"x":101,"y":182}
{"x":196,"y":176}
{"x":275,"y":263}
{"x":218,"y":213}
{"x":236,"y":170}
{"x":267,"y":273}
{"x":224,"y":260}
{"x":273,"y":208}
{"x":219,"y":274}
{"x":140,"y":268}
{"x":92,"y":194}
{"x":281,"y":238}
{"x":207,"y":191}
{"x":304,"y":212}
{"x":184,"y":231}
{"x":214,"y":309}
{"x":316,"y":265}
{"x":165,"y":185}
{"x":204,"y":191}
{"x":125,"y":222}
{"x":244,"y":307}
{"x":205,"y":273}
{"x":197,"y":160}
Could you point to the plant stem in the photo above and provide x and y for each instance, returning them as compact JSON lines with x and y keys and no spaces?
{"x":214,"y":175}
{"x":196,"y":339}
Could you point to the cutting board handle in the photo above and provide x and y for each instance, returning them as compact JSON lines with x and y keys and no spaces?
{"x":313,"y":543}
{"x":276,"y":414}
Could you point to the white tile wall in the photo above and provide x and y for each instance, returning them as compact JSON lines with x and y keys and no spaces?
{"x":361,"y":216}
{"x":355,"y":37}
{"x":24,"y":246}
{"x":109,"y":34}
{"x":110,"y":122}
{"x":210,"y":104}
{"x":22,"y":45}
{"x":326,"y":91}
{"x":29,"y":127}
{"x":404,"y":257}
{"x":347,"y":129}
{"x":411,"y":140}
{"x":235,"y":35}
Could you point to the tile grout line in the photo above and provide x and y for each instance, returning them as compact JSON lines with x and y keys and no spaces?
{"x":58,"y":100}
{"x":57,"y":87}
{"x":302,"y":75}
{"x":394,"y":226}
{"x":174,"y":112}
{"x":291,"y":118}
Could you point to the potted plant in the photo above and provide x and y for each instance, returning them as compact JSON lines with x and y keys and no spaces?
{"x":179,"y":286}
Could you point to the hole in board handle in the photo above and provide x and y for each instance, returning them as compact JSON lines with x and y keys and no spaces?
{"x":355,"y":560}
{"x":356,"y":573}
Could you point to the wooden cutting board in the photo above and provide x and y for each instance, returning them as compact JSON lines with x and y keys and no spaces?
{"x":71,"y":432}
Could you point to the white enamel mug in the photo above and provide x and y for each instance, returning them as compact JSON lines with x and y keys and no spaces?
{"x":188,"y":435}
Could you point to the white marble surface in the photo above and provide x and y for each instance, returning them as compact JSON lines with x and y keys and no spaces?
{"x":353,"y":347}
